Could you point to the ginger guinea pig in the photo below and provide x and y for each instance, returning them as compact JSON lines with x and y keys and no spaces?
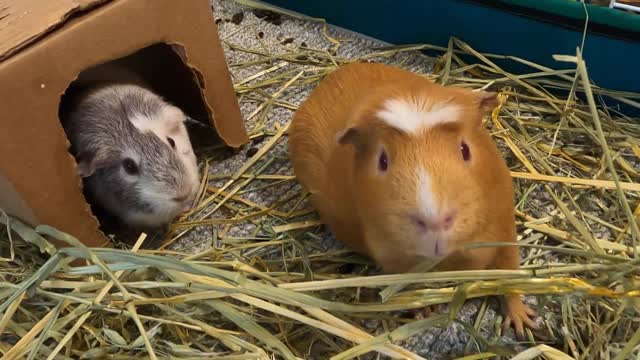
{"x":401,"y":169}
{"x":133,"y":153}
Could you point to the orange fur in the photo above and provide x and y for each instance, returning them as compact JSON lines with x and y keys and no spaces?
{"x":370,"y":211}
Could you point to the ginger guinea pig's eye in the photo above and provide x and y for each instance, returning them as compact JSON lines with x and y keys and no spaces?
{"x":464,"y":150}
{"x":171,"y":142}
{"x":130,"y":166}
{"x":383,"y":161}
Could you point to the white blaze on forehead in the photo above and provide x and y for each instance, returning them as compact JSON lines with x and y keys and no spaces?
{"x":144,"y":124}
{"x":425,"y":196}
{"x":168,"y":121}
{"x":412,"y":115}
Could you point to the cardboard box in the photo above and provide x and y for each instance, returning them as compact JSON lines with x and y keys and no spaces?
{"x":46,"y":44}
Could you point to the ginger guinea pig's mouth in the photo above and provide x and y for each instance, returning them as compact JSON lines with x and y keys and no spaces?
{"x":434,"y":245}
{"x":433,"y":233}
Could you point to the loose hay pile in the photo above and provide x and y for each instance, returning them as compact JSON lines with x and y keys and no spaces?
{"x":251,"y":276}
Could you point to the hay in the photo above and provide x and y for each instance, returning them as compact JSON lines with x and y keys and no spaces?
{"x":277,"y":293}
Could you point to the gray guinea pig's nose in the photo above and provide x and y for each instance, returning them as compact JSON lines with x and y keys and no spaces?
{"x":187,"y":203}
{"x":181,"y":198}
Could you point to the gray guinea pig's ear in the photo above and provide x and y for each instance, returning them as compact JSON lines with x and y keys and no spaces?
{"x":86,"y":166}
{"x":88,"y":163}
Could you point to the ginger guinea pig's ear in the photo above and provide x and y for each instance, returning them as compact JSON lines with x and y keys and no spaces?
{"x":349,"y":136}
{"x":487,"y":101}
{"x":358,"y":136}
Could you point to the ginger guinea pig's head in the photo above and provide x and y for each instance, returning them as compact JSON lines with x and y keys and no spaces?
{"x":427,"y":175}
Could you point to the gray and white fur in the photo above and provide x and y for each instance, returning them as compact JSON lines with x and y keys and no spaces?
{"x":133,"y":153}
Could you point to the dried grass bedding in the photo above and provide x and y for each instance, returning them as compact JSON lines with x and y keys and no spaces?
{"x":252,"y":274}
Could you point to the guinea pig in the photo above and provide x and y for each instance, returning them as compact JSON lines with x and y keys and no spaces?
{"x":401,"y":169}
{"x":133,"y":152}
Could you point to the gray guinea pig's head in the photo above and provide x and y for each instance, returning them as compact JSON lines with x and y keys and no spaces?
{"x":134,"y":153}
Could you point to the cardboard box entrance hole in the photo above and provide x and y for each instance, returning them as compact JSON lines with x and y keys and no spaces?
{"x":162,"y":67}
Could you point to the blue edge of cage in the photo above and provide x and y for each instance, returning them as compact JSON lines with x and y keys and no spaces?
{"x":612,"y":61}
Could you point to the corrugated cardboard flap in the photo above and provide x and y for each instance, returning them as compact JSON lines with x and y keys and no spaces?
{"x":24,"y":21}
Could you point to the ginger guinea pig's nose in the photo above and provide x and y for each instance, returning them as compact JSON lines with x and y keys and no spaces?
{"x":434,"y":223}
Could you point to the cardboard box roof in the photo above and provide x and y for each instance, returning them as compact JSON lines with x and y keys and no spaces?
{"x":46,"y":44}
{"x":25,"y":21}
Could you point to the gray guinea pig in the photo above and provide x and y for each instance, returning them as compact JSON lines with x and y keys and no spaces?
{"x":133,"y":153}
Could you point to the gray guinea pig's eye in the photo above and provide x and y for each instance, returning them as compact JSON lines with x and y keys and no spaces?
{"x":171,"y":142}
{"x":130,"y":166}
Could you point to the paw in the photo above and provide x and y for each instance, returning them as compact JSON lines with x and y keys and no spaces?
{"x":518,"y":315}
{"x":425,"y":312}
